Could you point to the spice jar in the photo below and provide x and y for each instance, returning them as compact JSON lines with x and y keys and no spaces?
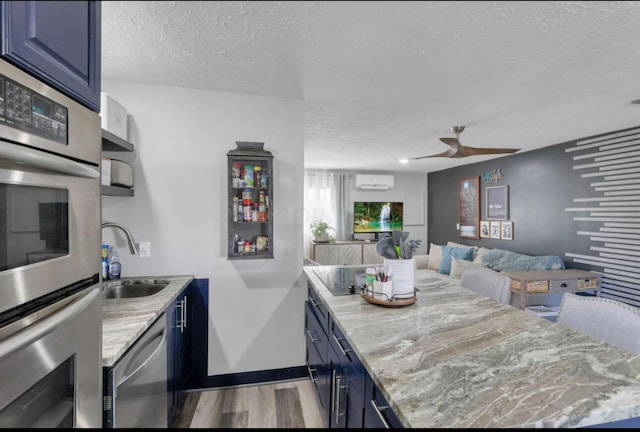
{"x":262,"y":208}
{"x":247,"y":212}
{"x":248,"y":176}
{"x":257,"y":176}
{"x":235,"y":174}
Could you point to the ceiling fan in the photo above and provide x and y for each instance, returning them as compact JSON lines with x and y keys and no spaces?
{"x":457,"y":150}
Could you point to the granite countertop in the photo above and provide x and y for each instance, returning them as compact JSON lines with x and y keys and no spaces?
{"x":458,"y":359}
{"x":125,"y":320}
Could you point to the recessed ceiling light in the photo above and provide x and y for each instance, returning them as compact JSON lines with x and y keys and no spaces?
{"x":404,"y":161}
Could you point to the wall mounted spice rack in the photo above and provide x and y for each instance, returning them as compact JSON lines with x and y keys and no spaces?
{"x":250,"y":201}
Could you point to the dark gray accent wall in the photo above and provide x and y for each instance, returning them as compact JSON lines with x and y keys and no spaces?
{"x":542,"y":185}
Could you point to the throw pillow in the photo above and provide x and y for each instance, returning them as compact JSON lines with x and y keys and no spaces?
{"x":422,"y":261}
{"x":448,"y":252}
{"x":435,"y":256}
{"x":458,"y":266}
{"x":460,"y":245}
{"x":478,"y":258}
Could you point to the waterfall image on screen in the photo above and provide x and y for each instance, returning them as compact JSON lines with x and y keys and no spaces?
{"x":376,"y":217}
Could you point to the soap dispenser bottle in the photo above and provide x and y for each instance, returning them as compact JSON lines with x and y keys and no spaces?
{"x":114,"y":264}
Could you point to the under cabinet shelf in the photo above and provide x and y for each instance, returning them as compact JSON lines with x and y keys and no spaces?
{"x":111,"y":142}
{"x":116,"y":191}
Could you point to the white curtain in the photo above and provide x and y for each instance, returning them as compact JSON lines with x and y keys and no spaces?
{"x":320,"y":195}
{"x":343,"y":200}
{"x":326,"y":197}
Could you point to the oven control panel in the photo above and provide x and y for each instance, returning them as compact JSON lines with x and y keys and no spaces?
{"x":24,"y":109}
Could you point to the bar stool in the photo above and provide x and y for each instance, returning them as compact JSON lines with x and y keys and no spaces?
{"x":605,"y":319}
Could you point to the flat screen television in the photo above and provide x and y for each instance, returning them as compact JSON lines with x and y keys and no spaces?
{"x":376,"y":217}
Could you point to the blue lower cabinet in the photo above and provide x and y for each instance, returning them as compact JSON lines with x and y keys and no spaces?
{"x":343,"y":386}
{"x":317,"y":361}
{"x":377,"y":412}
{"x":178,"y":320}
{"x":339,"y":386}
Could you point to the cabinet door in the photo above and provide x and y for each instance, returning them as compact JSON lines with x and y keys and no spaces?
{"x":338,"y":254}
{"x":177,"y":352}
{"x":317,"y":362}
{"x":339,"y":386}
{"x":377,"y":412}
{"x":350,"y":254}
{"x":58,"y":42}
{"x":350,"y":380}
{"x":182,"y":343}
{"x":370,"y":254}
{"x":355,"y":406}
{"x":325,"y":254}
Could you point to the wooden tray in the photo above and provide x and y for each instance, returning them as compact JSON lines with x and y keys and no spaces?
{"x":392,"y":303}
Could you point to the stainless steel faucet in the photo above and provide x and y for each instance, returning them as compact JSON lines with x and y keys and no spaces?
{"x":133,"y":246}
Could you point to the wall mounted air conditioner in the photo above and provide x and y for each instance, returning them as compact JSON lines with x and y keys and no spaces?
{"x":366,"y":181}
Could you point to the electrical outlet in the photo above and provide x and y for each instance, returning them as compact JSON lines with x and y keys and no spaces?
{"x":145,"y":249}
{"x":458,"y":226}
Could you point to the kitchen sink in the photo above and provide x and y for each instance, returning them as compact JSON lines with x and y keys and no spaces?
{"x":132,"y":288}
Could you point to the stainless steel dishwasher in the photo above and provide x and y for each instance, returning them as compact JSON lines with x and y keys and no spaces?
{"x":140,"y":381}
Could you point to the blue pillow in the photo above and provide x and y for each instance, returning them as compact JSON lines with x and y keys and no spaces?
{"x":458,"y":252}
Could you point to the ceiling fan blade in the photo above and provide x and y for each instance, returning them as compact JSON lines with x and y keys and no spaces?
{"x":454,"y":147}
{"x":453,"y":142}
{"x":449,"y":153}
{"x":471,"y":151}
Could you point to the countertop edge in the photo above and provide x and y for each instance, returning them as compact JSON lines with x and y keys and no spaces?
{"x":125,"y":320}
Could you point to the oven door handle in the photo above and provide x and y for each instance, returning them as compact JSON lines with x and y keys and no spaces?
{"x":36,"y":331}
{"x":40,"y":159}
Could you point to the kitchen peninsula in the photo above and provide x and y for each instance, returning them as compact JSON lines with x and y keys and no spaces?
{"x":458,"y":359}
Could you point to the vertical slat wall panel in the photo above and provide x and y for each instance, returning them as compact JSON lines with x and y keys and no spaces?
{"x":611,"y":214}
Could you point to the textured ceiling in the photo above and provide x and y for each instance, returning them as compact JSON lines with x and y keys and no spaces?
{"x":385,"y":80}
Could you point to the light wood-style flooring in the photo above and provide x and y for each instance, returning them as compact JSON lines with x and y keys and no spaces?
{"x":286,"y":404}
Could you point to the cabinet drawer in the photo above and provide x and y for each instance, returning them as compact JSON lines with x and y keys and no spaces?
{"x":318,"y":307}
{"x":319,"y":374}
{"x":532,"y":287}
{"x":563,"y":284}
{"x":314,"y":333}
{"x":352,"y":365}
{"x":588,"y":283}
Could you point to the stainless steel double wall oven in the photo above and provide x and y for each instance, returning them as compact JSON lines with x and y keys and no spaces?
{"x":50,"y":299}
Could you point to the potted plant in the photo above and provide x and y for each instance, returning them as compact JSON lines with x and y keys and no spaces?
{"x":320,"y":230}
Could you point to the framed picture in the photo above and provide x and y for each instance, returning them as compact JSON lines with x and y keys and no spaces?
{"x":495,"y":229}
{"x":469,"y":207}
{"x":506,"y":230}
{"x":484,"y":229}
{"x":497,"y":202}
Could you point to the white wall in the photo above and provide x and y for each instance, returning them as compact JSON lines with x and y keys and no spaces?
{"x":181,"y":138}
{"x":408,"y":188}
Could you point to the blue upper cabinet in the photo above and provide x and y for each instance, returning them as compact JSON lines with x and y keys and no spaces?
{"x":57,"y":42}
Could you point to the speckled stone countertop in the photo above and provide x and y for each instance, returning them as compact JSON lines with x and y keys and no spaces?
{"x":125,"y":320}
{"x":458,"y":359}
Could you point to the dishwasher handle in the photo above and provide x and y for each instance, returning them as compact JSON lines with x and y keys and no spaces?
{"x":162,"y":334}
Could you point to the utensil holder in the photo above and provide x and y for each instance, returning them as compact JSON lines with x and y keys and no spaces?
{"x":382,"y":290}
{"x":402,"y":275}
